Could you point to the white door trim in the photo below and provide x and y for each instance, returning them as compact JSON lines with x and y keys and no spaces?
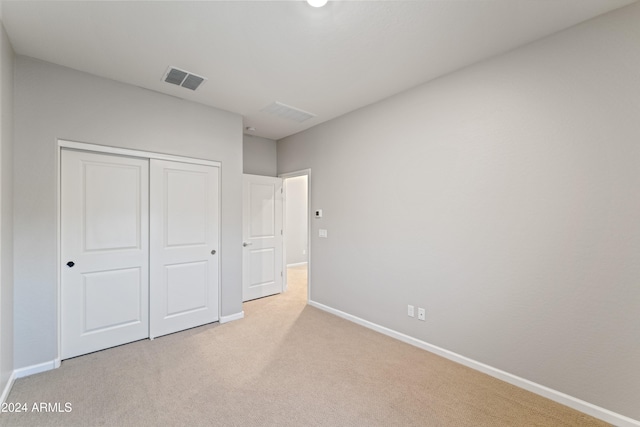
{"x":133,"y":153}
{"x":307,"y":173}
{"x":67,"y":144}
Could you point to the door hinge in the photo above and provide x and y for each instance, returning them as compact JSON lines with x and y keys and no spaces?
{"x":281,"y":233}
{"x":281,"y":275}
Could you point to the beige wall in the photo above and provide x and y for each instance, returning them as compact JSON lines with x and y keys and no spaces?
{"x":55,"y":102}
{"x":503,"y":198}
{"x":6,"y":209}
{"x":259,"y":156}
{"x":296,"y":216}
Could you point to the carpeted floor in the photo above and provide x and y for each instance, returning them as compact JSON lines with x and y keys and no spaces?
{"x":284,"y":364}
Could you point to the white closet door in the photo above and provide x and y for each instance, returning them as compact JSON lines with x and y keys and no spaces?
{"x":184,"y":245}
{"x":105,"y":246}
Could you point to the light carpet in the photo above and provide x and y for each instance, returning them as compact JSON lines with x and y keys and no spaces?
{"x":284,"y":364}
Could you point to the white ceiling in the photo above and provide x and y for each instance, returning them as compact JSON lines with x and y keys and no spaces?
{"x":326,"y":61}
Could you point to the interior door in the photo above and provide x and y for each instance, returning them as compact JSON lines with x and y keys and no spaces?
{"x":105,"y":251}
{"x":262,"y":236}
{"x":184,"y":246}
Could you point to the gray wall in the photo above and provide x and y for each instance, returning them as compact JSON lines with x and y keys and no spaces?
{"x":296,"y":216}
{"x":55,"y":102}
{"x":6,"y":209}
{"x":504,"y":199}
{"x":259,"y":156}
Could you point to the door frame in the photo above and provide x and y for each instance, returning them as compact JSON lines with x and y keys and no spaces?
{"x":105,"y":149}
{"x":284,"y":176}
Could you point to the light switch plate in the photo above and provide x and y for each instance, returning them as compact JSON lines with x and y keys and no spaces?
{"x":322,"y":232}
{"x":318,"y":213}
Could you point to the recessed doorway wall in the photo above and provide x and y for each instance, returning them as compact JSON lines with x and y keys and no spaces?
{"x":296,"y":220}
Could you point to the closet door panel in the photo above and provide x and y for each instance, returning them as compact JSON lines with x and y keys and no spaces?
{"x":105,"y":251}
{"x":184,"y":246}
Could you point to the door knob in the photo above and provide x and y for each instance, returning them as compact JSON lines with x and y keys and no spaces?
{"x":213,"y":252}
{"x":245,"y":244}
{"x":71,"y":264}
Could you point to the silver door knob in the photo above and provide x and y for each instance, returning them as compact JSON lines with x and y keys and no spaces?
{"x":245,"y":244}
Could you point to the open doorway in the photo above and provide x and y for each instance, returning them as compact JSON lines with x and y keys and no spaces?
{"x":297,"y":255}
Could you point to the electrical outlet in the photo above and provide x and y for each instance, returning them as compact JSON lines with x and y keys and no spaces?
{"x":421,"y":314}
{"x":410,"y":312}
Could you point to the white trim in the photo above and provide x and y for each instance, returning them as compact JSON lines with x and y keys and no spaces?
{"x":284,"y":176}
{"x":297,"y":264}
{"x":231,"y":317}
{"x":59,"y":249}
{"x":220,"y":201}
{"x":557,"y":396}
{"x":133,"y":153}
{"x":301,"y":172}
{"x":7,"y":387}
{"x":36,"y":369}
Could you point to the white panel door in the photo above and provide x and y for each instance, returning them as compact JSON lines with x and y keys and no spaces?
{"x":262,"y":267}
{"x":184,"y":246}
{"x":105,"y":246}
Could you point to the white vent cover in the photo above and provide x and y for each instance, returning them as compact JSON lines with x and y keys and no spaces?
{"x":286,"y":112}
{"x":183,"y":78}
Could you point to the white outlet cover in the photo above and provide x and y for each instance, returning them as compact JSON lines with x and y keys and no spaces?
{"x":421,"y":314}
{"x":322,"y":233}
{"x":410,"y":311}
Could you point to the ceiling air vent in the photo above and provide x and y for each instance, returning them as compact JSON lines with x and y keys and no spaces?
{"x":290,"y":113}
{"x":183,"y":78}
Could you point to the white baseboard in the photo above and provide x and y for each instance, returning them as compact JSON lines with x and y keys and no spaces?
{"x":297,"y":264}
{"x":36,"y":369}
{"x":7,"y":387}
{"x":231,"y":317}
{"x":25,"y":372}
{"x":557,"y":396}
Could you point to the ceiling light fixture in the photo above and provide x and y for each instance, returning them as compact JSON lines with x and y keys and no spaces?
{"x":317,"y":3}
